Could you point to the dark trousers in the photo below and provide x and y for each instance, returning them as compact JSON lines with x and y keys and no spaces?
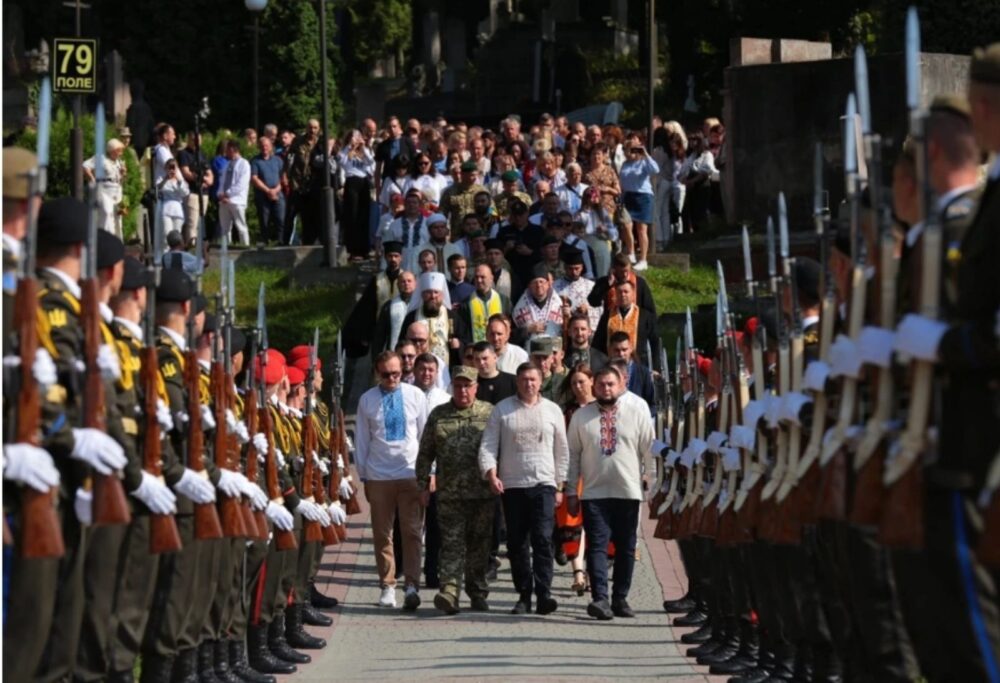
{"x":432,"y":543}
{"x":354,"y":221}
{"x":99,"y":576}
{"x":271,"y":215}
{"x":135,"y":586}
{"x":530,"y":517}
{"x":615,"y":520}
{"x":59,"y":657}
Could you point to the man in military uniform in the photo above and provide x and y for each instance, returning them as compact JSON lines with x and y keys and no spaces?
{"x":963,"y":594}
{"x":542,"y":349}
{"x":459,"y":199}
{"x":465,"y":504}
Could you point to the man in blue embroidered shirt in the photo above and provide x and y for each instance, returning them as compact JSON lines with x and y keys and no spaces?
{"x":390,"y":420}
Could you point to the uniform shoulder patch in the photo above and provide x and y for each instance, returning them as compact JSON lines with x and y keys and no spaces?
{"x":169,"y":369}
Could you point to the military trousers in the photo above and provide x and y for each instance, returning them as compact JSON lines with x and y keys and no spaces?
{"x":230,"y":564}
{"x":135,"y":586}
{"x":466,"y":538}
{"x":100,"y":574}
{"x":176,"y":585}
{"x":32,"y":597}
{"x":247,"y":609}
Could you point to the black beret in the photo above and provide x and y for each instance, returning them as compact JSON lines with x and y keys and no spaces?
{"x":175,"y":286}
{"x":540,"y":271}
{"x":136,"y":276}
{"x":550,"y":239}
{"x":62,"y":221}
{"x":573,"y":257}
{"x":211,"y":323}
{"x":517,"y":206}
{"x":110,"y":250}
{"x":392,"y":247}
{"x":200,"y":303}
{"x":807,"y":275}
{"x":494,"y":243}
{"x":237,"y":341}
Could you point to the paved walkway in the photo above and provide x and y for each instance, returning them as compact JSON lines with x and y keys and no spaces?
{"x":372,"y":644}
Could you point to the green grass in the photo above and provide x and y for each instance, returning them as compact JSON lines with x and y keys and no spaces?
{"x":673,"y":291}
{"x":292,"y":312}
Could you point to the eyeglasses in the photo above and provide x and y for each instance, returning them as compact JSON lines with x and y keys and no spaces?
{"x":390,"y":375}
{"x":415,"y":340}
{"x":407,"y":355}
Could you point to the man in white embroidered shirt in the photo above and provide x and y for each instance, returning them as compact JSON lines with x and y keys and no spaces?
{"x":524,"y":456}
{"x":608,"y":447}
{"x":233,"y":193}
{"x":390,"y":420}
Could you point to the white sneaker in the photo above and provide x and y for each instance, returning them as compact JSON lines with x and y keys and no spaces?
{"x":631,"y":258}
{"x":641,"y":265}
{"x":388,"y":597}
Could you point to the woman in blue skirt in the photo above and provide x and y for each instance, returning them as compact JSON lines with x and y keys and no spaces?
{"x":637,"y":190}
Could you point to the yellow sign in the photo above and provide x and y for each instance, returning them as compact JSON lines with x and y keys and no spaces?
{"x":75,"y":66}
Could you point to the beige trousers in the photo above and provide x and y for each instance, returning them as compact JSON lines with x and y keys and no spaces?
{"x":385,"y":498}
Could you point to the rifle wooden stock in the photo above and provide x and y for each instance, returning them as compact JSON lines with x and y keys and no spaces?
{"x":655,"y":502}
{"x":988,"y":548}
{"x":40,"y":530}
{"x":337,"y":449}
{"x":206,"y":516}
{"x":313,"y":531}
{"x":351,"y":504}
{"x":110,"y":505}
{"x":866,"y":507}
{"x":665,"y":525}
{"x":250,"y":529}
{"x":832,"y":501}
{"x":283,"y":540}
{"x":164,"y":537}
{"x":329,"y":531}
{"x":230,"y":514}
{"x":252,"y":470}
{"x":902,"y":523}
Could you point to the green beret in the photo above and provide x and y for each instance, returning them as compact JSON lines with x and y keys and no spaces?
{"x":136,"y":276}
{"x":509,"y":176}
{"x":475,"y":234}
{"x":464,"y":372}
{"x":18,"y":163}
{"x":542,"y":346}
{"x":468,"y":166}
{"x":62,"y":221}
{"x":175,"y":286}
{"x":985,"y":66}
{"x":110,"y":250}
{"x":951,"y":104}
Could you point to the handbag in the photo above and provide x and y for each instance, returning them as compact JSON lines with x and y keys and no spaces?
{"x":622,"y":218}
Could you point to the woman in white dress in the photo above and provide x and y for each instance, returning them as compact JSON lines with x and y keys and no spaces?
{"x":425,"y":178}
{"x":599,"y":229}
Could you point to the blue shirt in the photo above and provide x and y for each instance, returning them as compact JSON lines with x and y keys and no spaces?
{"x":635,"y":175}
{"x":268,"y":170}
{"x":219,"y":166}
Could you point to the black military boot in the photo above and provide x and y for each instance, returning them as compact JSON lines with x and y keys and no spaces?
{"x":728,"y":649}
{"x":206,"y":662}
{"x":239,"y":665}
{"x":296,"y":635}
{"x":745,"y":659}
{"x":279,"y":646}
{"x":784,"y":663}
{"x":223,"y":672}
{"x":717,"y":636}
{"x":313,"y":617}
{"x":156,"y":669}
{"x":260,"y":656}
{"x":700,"y":635}
{"x":681,"y":605}
{"x":827,"y":667}
{"x":320,"y":601}
{"x":695,"y":617}
{"x":186,"y":666}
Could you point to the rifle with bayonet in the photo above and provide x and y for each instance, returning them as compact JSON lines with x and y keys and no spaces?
{"x":717,"y":439}
{"x":253,"y":458}
{"x":312,"y":530}
{"x":206,"y":516}
{"x":110,"y":505}
{"x":666,"y":518}
{"x":330,"y":535}
{"x":283,"y":539}
{"x":663,"y":419}
{"x":164,"y":536}
{"x":902,"y":523}
{"x":351,"y":504}
{"x":338,"y":443}
{"x":732,"y":459}
{"x":693,"y":454}
{"x":40,"y":529}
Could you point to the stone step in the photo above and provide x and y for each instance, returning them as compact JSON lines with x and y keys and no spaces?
{"x":675,"y":260}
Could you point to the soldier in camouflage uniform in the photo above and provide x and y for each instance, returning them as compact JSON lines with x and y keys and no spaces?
{"x":465,"y":504}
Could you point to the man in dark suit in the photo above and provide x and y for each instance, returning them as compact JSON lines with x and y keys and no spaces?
{"x":604,"y":292}
{"x":390,"y":148}
{"x":637,"y":322}
{"x":640,"y":379}
{"x":580,"y":350}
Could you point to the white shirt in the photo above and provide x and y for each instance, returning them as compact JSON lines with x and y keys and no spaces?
{"x":431,"y":186}
{"x":618,"y":475}
{"x":511,"y":358}
{"x":71,"y":285}
{"x":161,"y":155}
{"x":571,"y":198}
{"x":179,"y":341}
{"x":236,"y":182}
{"x":357,"y":167}
{"x":133,"y":329}
{"x":381,"y":460}
{"x":436,"y":396}
{"x":526,"y":444}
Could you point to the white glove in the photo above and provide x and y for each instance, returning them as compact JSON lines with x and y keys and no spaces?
{"x":816,"y":373}
{"x":279,"y":516}
{"x":260,"y":445}
{"x":730,"y":459}
{"x":741,"y":436}
{"x":30,"y":465}
{"x":98,"y":450}
{"x":919,"y":337}
{"x":83,"y":506}
{"x":207,"y":418}
{"x":672,"y":457}
{"x":753,"y":412}
{"x":791,"y":407}
{"x":180,"y":420}
{"x":196,"y":488}
{"x":340,"y":461}
{"x":325,"y":519}
{"x":345,"y":489}
{"x":716,"y":440}
{"x":107,"y":361}
{"x":875,"y":346}
{"x":321,"y":464}
{"x":772,"y":411}
{"x":163,"y":416}
{"x":845,"y":361}
{"x":231,"y":421}
{"x":280,"y":456}
{"x":698,"y":448}
{"x":242,"y":433}
{"x":337,"y":514}
{"x":258,"y":499}
{"x":229,"y":483}
{"x":310,"y":511}
{"x":44,"y":369}
{"x":687,"y":457}
{"x":156,"y":495}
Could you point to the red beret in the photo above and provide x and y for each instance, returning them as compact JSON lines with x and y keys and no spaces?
{"x":704,"y":365}
{"x":275,"y":367}
{"x":300,"y":351}
{"x":303,"y":364}
{"x":295,"y":376}
{"x":750,"y":327}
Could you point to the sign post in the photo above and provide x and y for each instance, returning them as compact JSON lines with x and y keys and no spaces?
{"x":75,"y":73}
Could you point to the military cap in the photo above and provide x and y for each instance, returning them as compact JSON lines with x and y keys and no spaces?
{"x":302,"y":363}
{"x":704,"y":365}
{"x":540,"y":271}
{"x":62,"y":221}
{"x":468,"y":166}
{"x":494,"y":243}
{"x":475,"y":234}
{"x":275,"y":367}
{"x":200,"y":303}
{"x":464,"y":372}
{"x":300,"y":351}
{"x":807,"y":274}
{"x":985,"y":66}
{"x":509,"y":176}
{"x":295,"y":376}
{"x":517,"y":206}
{"x":392,"y":247}
{"x":136,"y":276}
{"x":573,"y":257}
{"x":542,"y":346}
{"x":110,"y":250}
{"x":557,"y":343}
{"x":211,"y":323}
{"x":550,"y":239}
{"x":18,"y":163}
{"x":175,"y":286}
{"x":237,"y":340}
{"x":951,"y":104}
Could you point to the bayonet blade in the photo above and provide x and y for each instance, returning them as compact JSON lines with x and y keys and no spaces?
{"x":232,"y":284}
{"x":850,"y":146}
{"x":44,"y":126}
{"x":747,"y":262}
{"x":772,"y":269}
{"x":782,"y":225}
{"x":912,"y":56}
{"x":723,"y":294}
{"x":861,"y":88}
{"x":99,"y":133}
{"x":314,"y":351}
{"x":689,"y":331}
{"x":818,"y":203}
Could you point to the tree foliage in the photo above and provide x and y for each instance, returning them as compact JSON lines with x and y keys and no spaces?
{"x":379,"y":28}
